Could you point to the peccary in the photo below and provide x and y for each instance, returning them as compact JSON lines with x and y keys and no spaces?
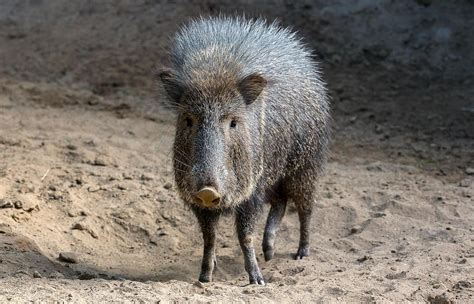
{"x":252,"y":128}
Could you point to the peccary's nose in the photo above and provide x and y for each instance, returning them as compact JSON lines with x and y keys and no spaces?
{"x":208,"y":196}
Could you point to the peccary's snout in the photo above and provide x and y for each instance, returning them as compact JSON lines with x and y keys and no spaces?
{"x":208,"y":164}
{"x":208,"y":196}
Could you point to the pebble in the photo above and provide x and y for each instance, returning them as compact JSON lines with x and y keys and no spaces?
{"x":71,"y":147}
{"x":37,"y":275}
{"x":18,"y":204}
{"x":469,"y":171}
{"x":356,"y":229}
{"x":94,"y":189}
{"x":168,"y":185}
{"x":79,"y":226}
{"x":145,"y":177}
{"x":68,"y":257}
{"x":99,"y":161}
{"x":127,"y":176}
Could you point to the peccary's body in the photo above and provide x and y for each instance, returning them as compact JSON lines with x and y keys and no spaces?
{"x":252,"y":128}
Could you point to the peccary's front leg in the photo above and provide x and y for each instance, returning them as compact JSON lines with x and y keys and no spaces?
{"x":245,"y":222}
{"x":208,"y":221}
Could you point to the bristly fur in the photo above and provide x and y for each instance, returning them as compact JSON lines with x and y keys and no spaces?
{"x":262,"y":78}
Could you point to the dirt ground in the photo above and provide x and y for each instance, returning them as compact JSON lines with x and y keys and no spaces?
{"x":88,"y":210}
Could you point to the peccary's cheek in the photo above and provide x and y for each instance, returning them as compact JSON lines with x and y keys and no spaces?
{"x":239,"y":161}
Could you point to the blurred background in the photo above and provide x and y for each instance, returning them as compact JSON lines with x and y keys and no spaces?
{"x":85,"y":150}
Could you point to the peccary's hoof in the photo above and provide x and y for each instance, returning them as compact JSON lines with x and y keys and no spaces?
{"x":268,"y":254}
{"x":302,"y":252}
{"x":257,"y":280}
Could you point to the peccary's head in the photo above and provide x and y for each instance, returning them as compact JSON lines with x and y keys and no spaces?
{"x":217,"y":116}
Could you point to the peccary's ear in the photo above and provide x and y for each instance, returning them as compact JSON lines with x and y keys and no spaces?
{"x":251,"y":86}
{"x":171,"y":84}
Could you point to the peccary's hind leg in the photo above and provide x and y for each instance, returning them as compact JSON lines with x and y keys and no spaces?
{"x":303,"y":196}
{"x":277,"y":210}
{"x":246,"y":217}
{"x":304,"y":214}
{"x":208,"y":221}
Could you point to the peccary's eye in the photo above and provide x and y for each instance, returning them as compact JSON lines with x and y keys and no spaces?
{"x":189,"y":122}
{"x":233,"y":123}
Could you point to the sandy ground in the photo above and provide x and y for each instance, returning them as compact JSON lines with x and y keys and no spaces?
{"x":88,"y":210}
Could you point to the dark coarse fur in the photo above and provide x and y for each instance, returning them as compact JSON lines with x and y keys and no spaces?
{"x":253,"y":122}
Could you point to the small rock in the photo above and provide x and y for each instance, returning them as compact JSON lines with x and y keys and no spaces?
{"x":79,"y":226}
{"x":469,"y":171}
{"x":37,"y":275}
{"x":121,"y":187}
{"x":71,"y":147}
{"x":356,"y":229}
{"x":146,"y":177}
{"x":168,"y":185}
{"x":94,"y":189}
{"x":72,"y":213}
{"x":18,"y":204}
{"x":93,"y":233}
{"x":353,"y":119}
{"x":100,"y":161}
{"x":68,"y":257}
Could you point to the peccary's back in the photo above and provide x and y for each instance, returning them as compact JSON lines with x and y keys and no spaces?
{"x":251,"y":44}
{"x":295,"y":133}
